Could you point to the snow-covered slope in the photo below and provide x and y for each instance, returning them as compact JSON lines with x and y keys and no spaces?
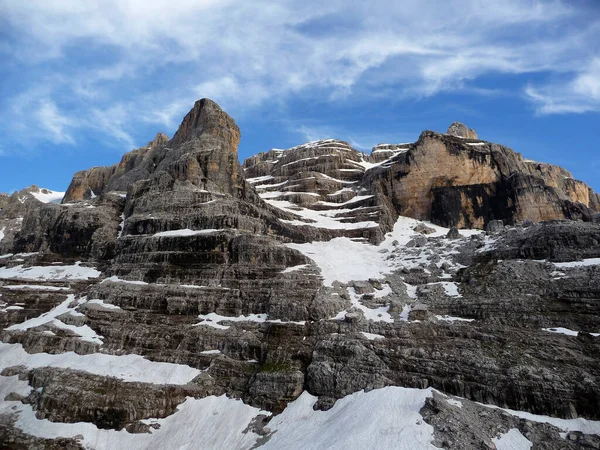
{"x":48,"y":196}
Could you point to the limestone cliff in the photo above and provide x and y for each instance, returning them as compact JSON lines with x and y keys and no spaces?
{"x":447,"y":179}
{"x":453,"y":181}
{"x":190,"y":300}
{"x":90,"y":183}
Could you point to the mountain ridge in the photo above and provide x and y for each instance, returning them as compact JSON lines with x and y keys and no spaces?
{"x":293,"y":282}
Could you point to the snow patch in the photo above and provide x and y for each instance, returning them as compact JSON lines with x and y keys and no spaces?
{"x":49,"y":196}
{"x":185,"y":232}
{"x":34,"y":287}
{"x":345,"y":260}
{"x":454,"y":402}
{"x":214,"y":320}
{"x":372,"y":336}
{"x":66,"y":306}
{"x":453,"y":319}
{"x":583,"y":263}
{"x":55,"y":272}
{"x":210,"y":423}
{"x":566,"y":331}
{"x":382,"y":419}
{"x":259,"y":179}
{"x":84,"y":332}
{"x":583,"y":425}
{"x":11,"y":308}
{"x":295,"y":268}
{"x":116,"y":279}
{"x":320,"y":219}
{"x":512,"y":440}
{"x":130,"y":368}
{"x":102,"y":304}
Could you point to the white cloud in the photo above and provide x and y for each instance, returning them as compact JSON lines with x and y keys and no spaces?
{"x":581,"y":93}
{"x":113,"y":122}
{"x":150,"y":59}
{"x":54,"y":122}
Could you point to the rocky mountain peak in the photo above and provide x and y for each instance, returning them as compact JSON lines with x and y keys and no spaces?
{"x":459,"y":129}
{"x":207,"y":119}
{"x":159,"y":140}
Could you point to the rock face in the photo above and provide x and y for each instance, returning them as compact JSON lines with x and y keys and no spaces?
{"x":454,"y":182}
{"x":90,"y":183}
{"x":299,"y":273}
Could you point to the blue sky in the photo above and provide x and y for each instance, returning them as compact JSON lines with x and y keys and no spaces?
{"x":83,"y":82}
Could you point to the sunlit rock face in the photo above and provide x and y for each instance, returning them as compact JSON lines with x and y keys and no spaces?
{"x":453,"y":181}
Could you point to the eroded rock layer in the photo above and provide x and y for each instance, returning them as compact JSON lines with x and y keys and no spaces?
{"x":178,"y":277}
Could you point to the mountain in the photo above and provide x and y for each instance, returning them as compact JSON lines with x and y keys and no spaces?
{"x":437,"y":294}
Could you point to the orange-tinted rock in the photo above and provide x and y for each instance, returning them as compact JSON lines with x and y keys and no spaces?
{"x":453,"y":181}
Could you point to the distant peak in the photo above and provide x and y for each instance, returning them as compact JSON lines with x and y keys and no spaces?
{"x":159,"y":140}
{"x":206,"y":117}
{"x":459,"y":129}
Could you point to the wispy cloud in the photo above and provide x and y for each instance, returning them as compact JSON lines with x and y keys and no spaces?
{"x":579,"y":94}
{"x":119,"y":63}
{"x":54,"y":122}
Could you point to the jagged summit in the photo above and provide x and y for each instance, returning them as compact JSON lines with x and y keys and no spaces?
{"x":208,"y":119}
{"x":326,"y":188}
{"x":205,"y":127}
{"x":459,"y":129}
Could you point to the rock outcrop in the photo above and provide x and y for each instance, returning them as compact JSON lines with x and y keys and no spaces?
{"x":461,"y":130}
{"x":134,"y":165}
